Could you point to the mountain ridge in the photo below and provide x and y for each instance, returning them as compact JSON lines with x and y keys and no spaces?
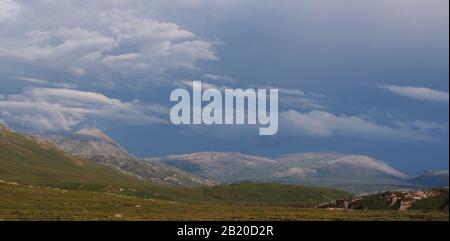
{"x":94,"y":144}
{"x":322,"y":159}
{"x":433,"y":178}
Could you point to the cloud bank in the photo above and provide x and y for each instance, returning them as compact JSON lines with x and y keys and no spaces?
{"x":323,"y":124}
{"x":101,"y":41}
{"x":62,"y":109}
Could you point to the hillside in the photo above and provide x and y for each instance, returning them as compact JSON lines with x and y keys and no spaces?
{"x":354,"y":173}
{"x":29,"y":160}
{"x":95,"y":145}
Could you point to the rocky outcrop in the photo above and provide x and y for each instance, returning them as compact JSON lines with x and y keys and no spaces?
{"x":431,"y":199}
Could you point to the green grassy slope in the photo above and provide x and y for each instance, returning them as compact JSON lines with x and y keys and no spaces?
{"x":273,"y":193}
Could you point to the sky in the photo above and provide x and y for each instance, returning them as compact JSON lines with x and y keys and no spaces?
{"x":359,"y":77}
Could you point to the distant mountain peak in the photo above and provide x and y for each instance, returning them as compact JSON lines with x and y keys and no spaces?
{"x":432,"y":178}
{"x":368,"y":162}
{"x":2,"y":126}
{"x":94,"y":132}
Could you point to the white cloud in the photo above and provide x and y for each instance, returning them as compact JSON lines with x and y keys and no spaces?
{"x":36,"y":81}
{"x":324,"y":124}
{"x":301,"y":102}
{"x":33,"y":80}
{"x":77,"y":71}
{"x":292,"y":92}
{"x":423,"y":126}
{"x":299,"y":99}
{"x":38,"y":115}
{"x":220,"y":78}
{"x":419,"y":93}
{"x":68,"y":44}
{"x":288,"y":98}
{"x":188,"y":85}
{"x":107,"y":40}
{"x":61,"y":109}
{"x":9,"y":9}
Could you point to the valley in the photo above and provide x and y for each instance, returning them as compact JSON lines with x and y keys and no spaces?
{"x":19,"y":202}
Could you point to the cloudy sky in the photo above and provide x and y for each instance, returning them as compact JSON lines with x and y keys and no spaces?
{"x":363,"y":77}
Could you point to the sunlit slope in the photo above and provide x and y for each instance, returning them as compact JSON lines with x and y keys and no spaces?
{"x":28,"y":160}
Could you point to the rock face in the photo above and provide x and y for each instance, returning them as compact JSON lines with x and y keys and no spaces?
{"x":94,"y":144}
{"x":431,"y":199}
{"x":4,"y":128}
{"x":354,"y":173}
{"x":221,"y":166}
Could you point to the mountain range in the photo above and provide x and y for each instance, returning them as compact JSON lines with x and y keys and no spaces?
{"x":41,"y":181}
